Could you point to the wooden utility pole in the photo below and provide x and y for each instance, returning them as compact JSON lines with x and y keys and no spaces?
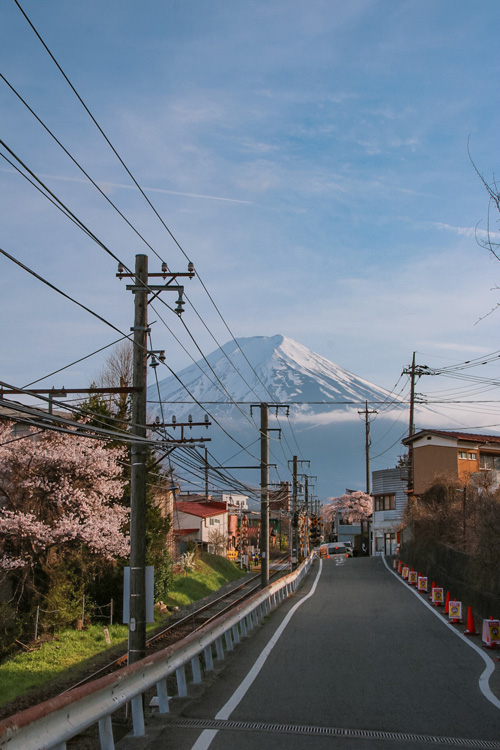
{"x":295,"y":511}
{"x":141,"y":288}
{"x":137,"y":621}
{"x":415,"y":372}
{"x":366,"y":412}
{"x":264,"y":494}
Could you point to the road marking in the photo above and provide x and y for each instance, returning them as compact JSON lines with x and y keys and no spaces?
{"x":204,"y":740}
{"x":490,"y":664}
{"x":317,"y":731}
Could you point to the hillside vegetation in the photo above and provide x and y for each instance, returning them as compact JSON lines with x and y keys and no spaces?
{"x":52,"y":665}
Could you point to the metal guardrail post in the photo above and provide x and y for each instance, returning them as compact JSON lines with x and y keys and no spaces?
{"x":161,"y":692}
{"x":180,"y":673}
{"x":236,"y":634}
{"x":219,"y":648}
{"x":196,"y":669}
{"x":106,"y":733}
{"x":137,"y":715}
{"x":209,"y":661}
{"x":229,"y":640}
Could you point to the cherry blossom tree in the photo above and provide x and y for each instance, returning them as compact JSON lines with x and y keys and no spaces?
{"x":59,"y":501}
{"x":356,"y":507}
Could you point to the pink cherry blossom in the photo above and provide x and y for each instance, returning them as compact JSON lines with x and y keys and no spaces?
{"x":59,"y":490}
{"x":355,"y":507}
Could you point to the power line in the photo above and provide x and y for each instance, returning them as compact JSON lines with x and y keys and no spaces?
{"x":77,"y":361}
{"x":63,"y":294}
{"x":136,"y":183}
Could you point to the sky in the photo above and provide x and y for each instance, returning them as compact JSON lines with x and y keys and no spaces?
{"x":314,"y":160}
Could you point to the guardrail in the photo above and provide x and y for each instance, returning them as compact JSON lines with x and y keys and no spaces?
{"x":51,"y":724}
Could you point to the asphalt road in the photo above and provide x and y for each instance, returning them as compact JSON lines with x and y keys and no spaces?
{"x":353,"y":660}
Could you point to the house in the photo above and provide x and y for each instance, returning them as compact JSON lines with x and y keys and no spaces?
{"x":234,"y":501}
{"x":205,"y":523}
{"x":389,"y":490}
{"x":456,"y":455}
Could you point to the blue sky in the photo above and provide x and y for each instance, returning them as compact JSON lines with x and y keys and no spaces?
{"x":309,"y":157}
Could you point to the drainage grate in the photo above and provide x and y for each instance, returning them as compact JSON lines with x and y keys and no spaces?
{"x":362,"y":734}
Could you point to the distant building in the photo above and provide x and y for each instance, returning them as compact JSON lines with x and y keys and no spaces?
{"x":455,"y":455}
{"x":389,"y":490}
{"x":234,"y":501}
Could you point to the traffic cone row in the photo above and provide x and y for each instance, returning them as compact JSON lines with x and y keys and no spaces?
{"x":470,"y":630}
{"x":436,"y":596}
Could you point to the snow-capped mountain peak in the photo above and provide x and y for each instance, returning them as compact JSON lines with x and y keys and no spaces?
{"x":264,"y":368}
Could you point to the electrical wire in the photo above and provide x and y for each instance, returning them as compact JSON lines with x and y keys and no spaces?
{"x":77,"y":361}
{"x":63,"y":294}
{"x":136,"y":183}
{"x":100,"y":244}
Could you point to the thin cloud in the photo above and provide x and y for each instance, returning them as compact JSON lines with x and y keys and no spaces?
{"x":483,"y":234}
{"x":108,"y":187}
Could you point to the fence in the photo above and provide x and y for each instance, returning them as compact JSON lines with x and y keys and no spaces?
{"x":51,"y":724}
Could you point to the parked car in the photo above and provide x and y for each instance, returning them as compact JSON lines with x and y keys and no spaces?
{"x":349,"y":548}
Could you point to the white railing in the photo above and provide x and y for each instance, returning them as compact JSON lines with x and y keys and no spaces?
{"x":51,"y":724}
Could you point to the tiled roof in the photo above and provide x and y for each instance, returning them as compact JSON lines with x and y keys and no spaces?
{"x":202,"y":510}
{"x":470,"y":436}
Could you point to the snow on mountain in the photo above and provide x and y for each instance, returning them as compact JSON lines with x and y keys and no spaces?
{"x":276,"y":369}
{"x":263,"y":368}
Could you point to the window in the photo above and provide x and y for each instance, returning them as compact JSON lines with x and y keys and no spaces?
{"x":472,"y":456}
{"x":462,"y":454}
{"x":488,"y":461}
{"x":213,"y":521}
{"x":385,"y":502}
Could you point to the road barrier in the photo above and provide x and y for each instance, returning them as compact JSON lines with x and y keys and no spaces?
{"x":422,"y":584}
{"x":437,"y":596}
{"x":52,"y":723}
{"x":412,"y":577}
{"x":491,"y":633}
{"x":491,"y":628}
{"x":455,"y":611}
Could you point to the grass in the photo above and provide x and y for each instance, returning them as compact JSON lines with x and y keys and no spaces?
{"x":210,"y":574}
{"x":75,"y":650}
{"x":69,"y":648}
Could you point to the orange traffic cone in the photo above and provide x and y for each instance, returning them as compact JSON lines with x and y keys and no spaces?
{"x":433,"y":585}
{"x":471,"y":630}
{"x":447,"y":603}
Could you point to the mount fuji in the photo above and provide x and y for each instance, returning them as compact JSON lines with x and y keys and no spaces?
{"x":324,"y":424}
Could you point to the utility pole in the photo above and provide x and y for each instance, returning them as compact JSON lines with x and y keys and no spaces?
{"x":137,"y":617}
{"x":366,"y":412}
{"x":264,"y":495}
{"x":264,"y":484}
{"x":415,"y":372}
{"x":141,"y":288}
{"x":206,"y":473}
{"x":295,"y":512}
{"x":295,"y":506}
{"x":306,"y":516}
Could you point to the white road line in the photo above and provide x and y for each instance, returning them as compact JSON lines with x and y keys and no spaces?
{"x":205,"y":739}
{"x":490,"y":664}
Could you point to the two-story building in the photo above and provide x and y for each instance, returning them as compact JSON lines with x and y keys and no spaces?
{"x":205,"y":523}
{"x":389,"y":490}
{"x":455,"y":455}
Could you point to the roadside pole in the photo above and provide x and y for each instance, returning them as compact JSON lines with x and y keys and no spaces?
{"x":264,"y":494}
